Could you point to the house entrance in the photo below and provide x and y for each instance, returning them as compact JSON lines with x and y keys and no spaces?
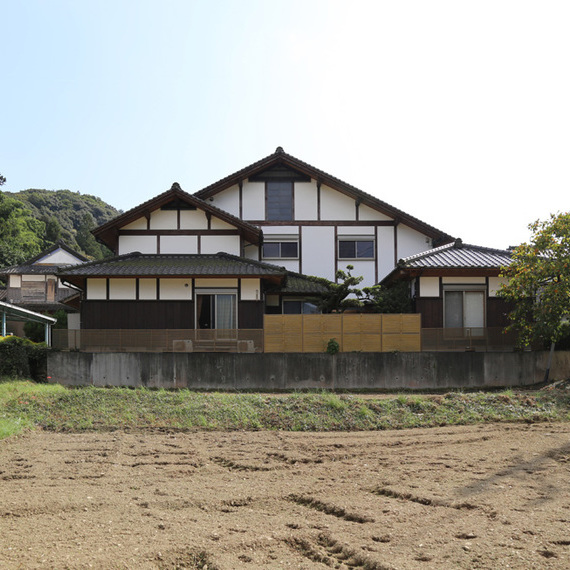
{"x":216,"y":310}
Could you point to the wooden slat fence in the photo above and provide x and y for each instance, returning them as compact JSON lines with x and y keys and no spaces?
{"x":353,"y":332}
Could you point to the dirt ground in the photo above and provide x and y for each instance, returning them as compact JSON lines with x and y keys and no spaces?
{"x":488,"y":496}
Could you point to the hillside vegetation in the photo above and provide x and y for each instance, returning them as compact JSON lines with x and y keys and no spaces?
{"x":32,"y":220}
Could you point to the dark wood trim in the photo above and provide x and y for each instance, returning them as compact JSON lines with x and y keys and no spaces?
{"x":107,"y":289}
{"x":335,"y":252}
{"x":377,"y":255}
{"x":300,"y":250}
{"x":157,"y":244}
{"x":209,"y":219}
{"x":178,"y":219}
{"x":371,"y":223}
{"x":199,"y":244}
{"x":395,"y":244}
{"x":137,"y":289}
{"x":318,"y":200}
{"x":179,"y":232}
{"x":357,"y":210}
{"x":240,"y":186}
{"x":147,"y":216}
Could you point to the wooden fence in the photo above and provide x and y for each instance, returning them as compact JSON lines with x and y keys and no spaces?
{"x":353,"y":332}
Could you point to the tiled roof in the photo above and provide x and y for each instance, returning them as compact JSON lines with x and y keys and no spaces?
{"x":301,"y":284}
{"x":186,"y":265}
{"x":281,"y":157}
{"x":458,"y":255}
{"x":28,"y":267}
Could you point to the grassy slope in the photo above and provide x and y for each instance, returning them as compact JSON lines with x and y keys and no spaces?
{"x":53,"y":407}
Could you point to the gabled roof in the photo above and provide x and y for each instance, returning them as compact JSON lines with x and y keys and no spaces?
{"x":454,"y":258}
{"x":20,"y":314}
{"x":30,"y":266}
{"x":281,"y":159}
{"x":107,"y":233}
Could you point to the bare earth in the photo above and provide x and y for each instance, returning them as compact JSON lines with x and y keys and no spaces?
{"x":492,"y":496}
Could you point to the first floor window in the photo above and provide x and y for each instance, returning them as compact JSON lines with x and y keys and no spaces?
{"x":216,"y":310}
{"x":464,"y":309}
{"x":299,"y":307}
{"x":281,"y":249}
{"x":355,"y":249}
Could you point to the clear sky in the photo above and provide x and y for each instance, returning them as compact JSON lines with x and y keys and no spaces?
{"x":457,"y":112}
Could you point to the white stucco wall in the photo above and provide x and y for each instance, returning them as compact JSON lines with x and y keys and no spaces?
{"x":385,"y":250}
{"x":495,"y":285}
{"x":216,"y":283}
{"x":214,"y":244}
{"x":178,"y":244}
{"x":364,"y":268}
{"x":122,"y":289}
{"x":228,"y":200}
{"x":36,"y":278}
{"x":193,"y":220}
{"x":463,"y":280}
{"x":164,"y":220}
{"x":429,"y":286}
{"x":318,"y":251}
{"x":147,"y":289}
{"x":58,"y":257}
{"x":139,"y":224}
{"x":175,"y":289}
{"x":144,"y":244}
{"x":305,"y":200}
{"x":356,"y":231}
{"x":411,"y":241}
{"x":253,"y":200}
{"x":368,"y":213}
{"x":217,"y":224}
{"x":336,"y":206}
{"x":96,"y":289}
{"x":14,"y":281}
{"x":250,"y":289}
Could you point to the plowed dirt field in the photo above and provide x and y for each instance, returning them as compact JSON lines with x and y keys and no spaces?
{"x":486,"y":496}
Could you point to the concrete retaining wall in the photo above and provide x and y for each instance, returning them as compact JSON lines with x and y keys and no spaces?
{"x":268,"y":372}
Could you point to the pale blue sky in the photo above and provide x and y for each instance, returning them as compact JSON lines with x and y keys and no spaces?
{"x":456,"y":112}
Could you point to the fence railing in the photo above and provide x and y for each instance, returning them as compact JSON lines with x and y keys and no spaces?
{"x":476,"y":339}
{"x":159,"y":340}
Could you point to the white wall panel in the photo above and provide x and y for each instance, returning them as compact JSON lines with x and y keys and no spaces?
{"x":251,"y":252}
{"x":356,"y":231}
{"x":306,"y":201}
{"x":385,"y":250}
{"x":463,"y":280}
{"x":164,"y":220}
{"x":214,"y":244}
{"x":429,"y":286}
{"x":218,"y":224}
{"x":253,"y":200}
{"x":122,"y":289}
{"x":33,"y":278}
{"x":96,"y":289}
{"x":289,"y":264}
{"x":14,"y":281}
{"x":59,"y":256}
{"x":368,"y":213}
{"x":144,"y":244}
{"x":139,"y":224}
{"x":178,"y":244}
{"x":216,"y":283}
{"x":147,"y":289}
{"x":336,"y":206}
{"x":280,"y":230}
{"x":365,"y":269}
{"x":411,"y":242}
{"x":250,"y":289}
{"x":175,"y":289}
{"x":318,"y":248}
{"x":495,"y":285}
{"x":193,"y":220}
{"x":228,"y":200}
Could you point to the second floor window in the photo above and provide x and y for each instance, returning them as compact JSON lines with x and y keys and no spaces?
{"x":356,"y":249}
{"x":281,"y":249}
{"x":279,"y":200}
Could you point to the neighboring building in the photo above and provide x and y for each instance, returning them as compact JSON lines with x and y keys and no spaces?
{"x":34,"y":285}
{"x":455,"y":286}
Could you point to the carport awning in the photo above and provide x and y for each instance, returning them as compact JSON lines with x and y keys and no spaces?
{"x":20,"y":314}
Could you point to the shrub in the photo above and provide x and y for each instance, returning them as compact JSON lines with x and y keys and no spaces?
{"x":332,"y":346}
{"x":22,"y":358}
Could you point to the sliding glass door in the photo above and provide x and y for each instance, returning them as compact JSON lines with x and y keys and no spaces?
{"x":216,"y":310}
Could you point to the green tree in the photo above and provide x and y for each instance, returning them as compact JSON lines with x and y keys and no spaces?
{"x":2,"y":180}
{"x":336,"y":299}
{"x":394,"y":298}
{"x":539,"y":282}
{"x":20,"y":232}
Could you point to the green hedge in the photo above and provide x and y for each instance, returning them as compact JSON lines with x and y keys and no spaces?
{"x":22,"y":358}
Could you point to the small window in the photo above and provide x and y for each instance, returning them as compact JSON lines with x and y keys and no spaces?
{"x":279,"y":200}
{"x":356,"y":249}
{"x":281,"y":249}
{"x":299,"y":307}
